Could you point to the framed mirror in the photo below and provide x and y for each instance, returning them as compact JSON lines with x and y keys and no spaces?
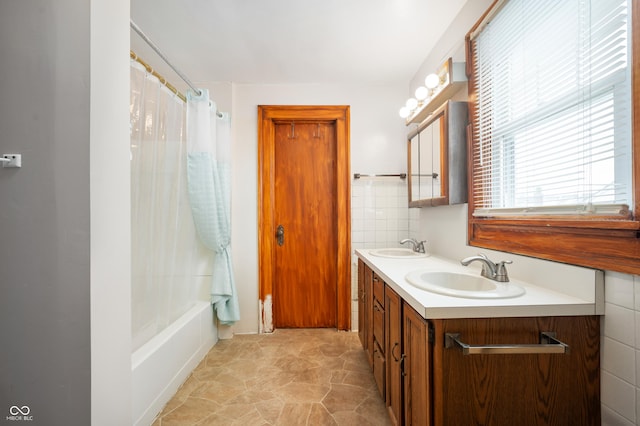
{"x":437,"y":158}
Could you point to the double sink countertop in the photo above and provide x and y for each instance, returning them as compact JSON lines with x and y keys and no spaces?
{"x":537,"y":300}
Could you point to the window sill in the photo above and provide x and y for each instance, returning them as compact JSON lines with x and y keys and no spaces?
{"x":612,"y":245}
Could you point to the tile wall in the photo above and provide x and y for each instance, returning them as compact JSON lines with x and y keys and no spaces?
{"x":620,"y":351}
{"x":380,"y":218}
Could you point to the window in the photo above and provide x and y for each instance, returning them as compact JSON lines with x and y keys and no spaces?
{"x":552,"y":153}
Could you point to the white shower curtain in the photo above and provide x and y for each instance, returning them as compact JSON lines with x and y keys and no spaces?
{"x":168,"y":262}
{"x":209,"y":181}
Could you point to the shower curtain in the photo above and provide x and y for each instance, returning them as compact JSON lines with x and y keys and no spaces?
{"x":209,"y":181}
{"x":168,"y":262}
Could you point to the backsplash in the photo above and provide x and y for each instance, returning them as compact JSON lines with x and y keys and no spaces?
{"x":380,"y":214}
{"x":620,"y":351}
{"x":380,"y":217}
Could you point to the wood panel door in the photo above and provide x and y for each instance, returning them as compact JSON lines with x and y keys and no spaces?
{"x":305,"y":285}
{"x":304,"y":217}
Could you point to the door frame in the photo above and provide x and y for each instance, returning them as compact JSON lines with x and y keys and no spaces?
{"x":267,"y":116}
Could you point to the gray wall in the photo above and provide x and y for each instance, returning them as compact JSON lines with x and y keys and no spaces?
{"x":44,"y":211}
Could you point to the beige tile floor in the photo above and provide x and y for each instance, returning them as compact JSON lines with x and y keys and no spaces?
{"x":289,"y":377}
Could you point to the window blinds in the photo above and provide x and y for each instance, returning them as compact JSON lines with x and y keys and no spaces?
{"x":552,"y":123}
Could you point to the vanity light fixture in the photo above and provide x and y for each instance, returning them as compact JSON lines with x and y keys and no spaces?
{"x":438,"y":88}
{"x":422,"y":93}
{"x":432,"y":81}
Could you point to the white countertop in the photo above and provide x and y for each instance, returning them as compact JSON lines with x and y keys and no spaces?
{"x":537,"y":301}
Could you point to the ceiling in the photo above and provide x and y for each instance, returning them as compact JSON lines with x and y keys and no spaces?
{"x":292,"y":41}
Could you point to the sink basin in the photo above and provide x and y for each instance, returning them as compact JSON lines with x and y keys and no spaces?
{"x":397,"y":253}
{"x":459,"y":284}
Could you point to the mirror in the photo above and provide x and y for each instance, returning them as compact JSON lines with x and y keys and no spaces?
{"x":426,"y":170}
{"x":437,"y":158}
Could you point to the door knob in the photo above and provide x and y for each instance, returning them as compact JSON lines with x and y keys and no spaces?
{"x":280,"y":235}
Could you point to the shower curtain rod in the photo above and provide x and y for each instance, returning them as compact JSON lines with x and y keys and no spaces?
{"x":155,"y":73}
{"x":164,"y":58}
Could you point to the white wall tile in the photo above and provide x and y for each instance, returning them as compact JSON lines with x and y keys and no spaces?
{"x":636,"y":287}
{"x":637,"y":405}
{"x":638,"y":372}
{"x":619,"y":324}
{"x":611,"y":418}
{"x":620,"y":375}
{"x":619,"y":289}
{"x":619,"y":359}
{"x":618,"y":395}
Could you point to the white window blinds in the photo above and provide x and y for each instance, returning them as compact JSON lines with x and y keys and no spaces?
{"x":552,"y":123}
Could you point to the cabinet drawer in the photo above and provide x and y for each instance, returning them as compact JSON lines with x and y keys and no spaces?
{"x":378,"y":289}
{"x":378,"y":323}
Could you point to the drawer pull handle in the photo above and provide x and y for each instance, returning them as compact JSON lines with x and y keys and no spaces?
{"x":395,"y":358}
{"x":548,"y":345}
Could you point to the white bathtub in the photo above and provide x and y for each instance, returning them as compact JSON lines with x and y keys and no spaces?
{"x":160,"y":366}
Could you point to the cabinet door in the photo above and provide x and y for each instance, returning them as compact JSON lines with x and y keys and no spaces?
{"x":368,"y":313}
{"x":361,"y":306}
{"x":379,"y":364}
{"x":379,"y":368}
{"x":519,"y":389}
{"x":378,"y":322}
{"x":393,"y":351}
{"x":417,"y":391}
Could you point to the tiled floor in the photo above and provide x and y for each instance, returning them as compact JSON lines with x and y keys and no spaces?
{"x":290,"y":377}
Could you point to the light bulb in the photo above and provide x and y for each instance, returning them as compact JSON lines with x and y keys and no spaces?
{"x":404,"y":112}
{"x":432,"y":81}
{"x":422,"y":93}
{"x":412,"y":103}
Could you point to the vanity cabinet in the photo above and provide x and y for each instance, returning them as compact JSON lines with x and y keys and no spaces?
{"x":486,"y":371}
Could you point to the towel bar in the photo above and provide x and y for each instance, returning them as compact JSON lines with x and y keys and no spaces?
{"x":549,"y":345}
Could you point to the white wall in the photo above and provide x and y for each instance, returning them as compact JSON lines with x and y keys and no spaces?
{"x":377,"y":146}
{"x":110,"y":214}
{"x":446,"y":230}
{"x":64,"y":248}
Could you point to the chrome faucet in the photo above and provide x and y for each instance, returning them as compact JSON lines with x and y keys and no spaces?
{"x":418,"y":246}
{"x":493,"y":271}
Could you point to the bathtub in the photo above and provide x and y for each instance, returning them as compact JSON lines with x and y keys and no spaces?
{"x":161,"y":365}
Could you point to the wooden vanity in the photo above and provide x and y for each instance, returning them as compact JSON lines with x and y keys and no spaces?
{"x":478,"y":371}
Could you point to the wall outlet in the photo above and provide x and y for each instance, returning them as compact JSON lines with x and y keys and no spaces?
{"x":14,"y":160}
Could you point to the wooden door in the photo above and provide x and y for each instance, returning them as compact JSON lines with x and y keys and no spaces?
{"x":304,"y":217}
{"x":305,"y":285}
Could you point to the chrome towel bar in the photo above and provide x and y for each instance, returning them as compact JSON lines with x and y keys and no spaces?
{"x":548,"y":345}
{"x":360,"y":175}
